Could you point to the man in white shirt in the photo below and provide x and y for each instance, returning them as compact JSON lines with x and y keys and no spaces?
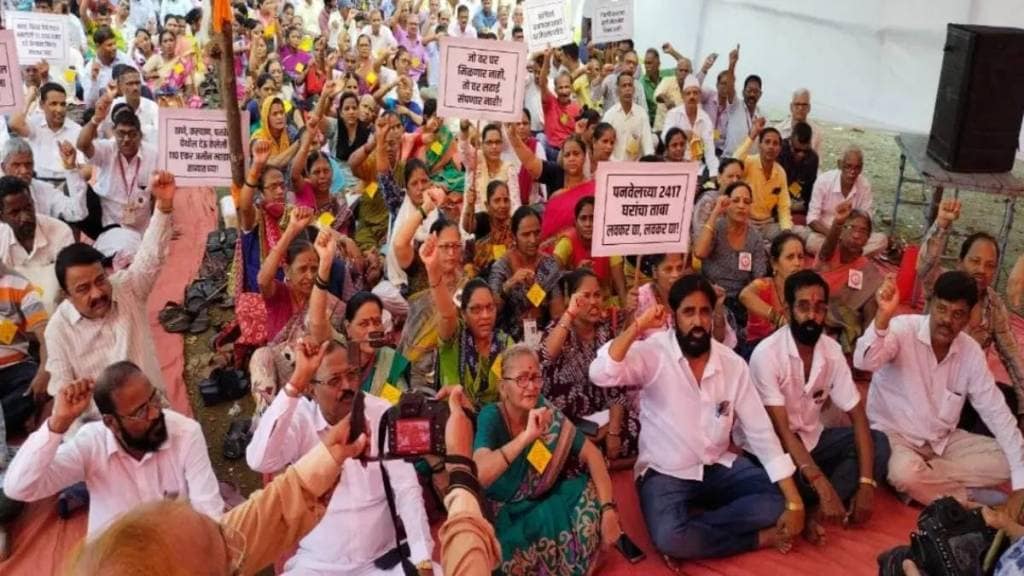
{"x":696,"y":125}
{"x":925,"y":367}
{"x":45,"y":131}
{"x":104,"y":320}
{"x":461,"y":28}
{"x":799,"y":109}
{"x":846,"y":183}
{"x":309,"y":11}
{"x":693,"y":391}
{"x":125,"y":166}
{"x":357,"y":528}
{"x":138,"y":453}
{"x":381,"y":38}
{"x":742,"y":116}
{"x":174,"y":7}
{"x":129,"y":85}
{"x":19,"y":162}
{"x":796,"y":370}
{"x":99,"y":71}
{"x":633,"y":137}
{"x":29,"y":242}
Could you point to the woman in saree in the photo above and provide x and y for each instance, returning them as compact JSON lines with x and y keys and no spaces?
{"x":468,"y":344}
{"x":259,"y":219}
{"x":572,"y":250}
{"x":499,"y":239}
{"x":675,"y":145}
{"x":274,"y":128}
{"x":167,"y":68}
{"x":558,"y":519}
{"x":294,"y":59}
{"x":487,"y":165}
{"x":440,"y":151}
{"x":379,"y":365}
{"x":350,"y":134}
{"x":570,"y":345}
{"x":142,"y":48}
{"x":526,"y":281}
{"x":368,"y":67}
{"x":763,"y":298}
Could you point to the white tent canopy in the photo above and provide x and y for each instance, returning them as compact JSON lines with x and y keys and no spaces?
{"x":871,"y":63}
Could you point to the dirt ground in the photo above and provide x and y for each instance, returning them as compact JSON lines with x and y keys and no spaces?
{"x":881,"y":166}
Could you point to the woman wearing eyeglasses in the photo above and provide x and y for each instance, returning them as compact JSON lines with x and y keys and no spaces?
{"x":570,"y":345}
{"x":469,"y":344}
{"x":549,"y":489}
{"x":731,"y":250}
{"x":526,"y":281}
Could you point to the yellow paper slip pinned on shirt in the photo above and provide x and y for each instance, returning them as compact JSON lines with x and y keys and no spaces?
{"x":795,"y":189}
{"x":300,"y":67}
{"x":539,"y":456}
{"x":179,"y":68}
{"x":325,"y":220}
{"x":371,"y":78}
{"x":7,"y":331}
{"x":371,"y":189}
{"x":536,"y":295}
{"x":437,"y":148}
{"x":496,"y":367}
{"x":390,"y":393}
{"x":498,"y":250}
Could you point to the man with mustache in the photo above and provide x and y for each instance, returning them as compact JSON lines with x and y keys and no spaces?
{"x":138,"y":453}
{"x":925,"y":370}
{"x":693,"y":391}
{"x":989,"y":323}
{"x":103,"y":319}
{"x":796,"y":370}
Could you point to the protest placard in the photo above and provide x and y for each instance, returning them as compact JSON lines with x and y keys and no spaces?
{"x":546,"y":24}
{"x":643,"y":208}
{"x":12,"y":94}
{"x":194,"y":146}
{"x":40,"y":36}
{"x":613,"y":20}
{"x":481,"y":79}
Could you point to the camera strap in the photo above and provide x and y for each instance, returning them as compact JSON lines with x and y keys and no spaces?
{"x":400,"y":553}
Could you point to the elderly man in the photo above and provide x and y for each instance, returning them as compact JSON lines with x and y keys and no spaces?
{"x":45,"y":132}
{"x":358,"y":528}
{"x":103,"y":320}
{"x":560,"y":111}
{"x":29,"y":242}
{"x":138,"y":453}
{"x":799,"y":109}
{"x":19,"y":162}
{"x":925,"y":369}
{"x":989,"y":323}
{"x":605,"y":90}
{"x":460,"y":27}
{"x":696,"y":125}
{"x":846,"y":183}
{"x":669,"y":93}
{"x":381,"y":37}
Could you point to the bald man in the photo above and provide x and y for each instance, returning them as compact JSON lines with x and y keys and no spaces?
{"x":846,"y":183}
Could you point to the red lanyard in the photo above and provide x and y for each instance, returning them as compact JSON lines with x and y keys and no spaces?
{"x":129,"y":190}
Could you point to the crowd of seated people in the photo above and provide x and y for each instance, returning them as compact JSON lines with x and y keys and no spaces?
{"x":385,"y":251}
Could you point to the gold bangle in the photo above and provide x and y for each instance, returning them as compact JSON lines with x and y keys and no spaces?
{"x":869,"y":481}
{"x":793,"y":506}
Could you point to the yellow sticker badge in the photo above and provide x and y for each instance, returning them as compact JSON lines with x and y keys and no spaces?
{"x":536,"y":295}
{"x":390,"y":393}
{"x":539,"y":456}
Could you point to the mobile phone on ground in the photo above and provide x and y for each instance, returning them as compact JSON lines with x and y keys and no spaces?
{"x":629,"y":549}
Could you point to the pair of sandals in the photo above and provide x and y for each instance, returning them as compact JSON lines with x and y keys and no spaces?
{"x":237,"y":438}
{"x":223,"y":385}
{"x":193,"y":316}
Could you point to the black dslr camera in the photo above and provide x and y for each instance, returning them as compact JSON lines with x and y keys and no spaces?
{"x":415,"y":426}
{"x":950,"y":540}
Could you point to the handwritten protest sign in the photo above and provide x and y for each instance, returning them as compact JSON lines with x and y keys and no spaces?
{"x":12,"y":96}
{"x":613,"y":20}
{"x":194,"y":146}
{"x":546,"y":24}
{"x":482,"y":79}
{"x":40,"y":37}
{"x":643,"y":208}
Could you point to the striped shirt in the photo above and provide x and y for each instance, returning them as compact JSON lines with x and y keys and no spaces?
{"x":80,"y":347}
{"x":21,"y":311}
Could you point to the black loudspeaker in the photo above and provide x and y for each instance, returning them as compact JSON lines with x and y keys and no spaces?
{"x":980,"y":100}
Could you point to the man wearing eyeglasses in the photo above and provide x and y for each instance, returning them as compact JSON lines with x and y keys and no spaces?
{"x":138,"y":453}
{"x":796,"y":370}
{"x":925,"y":368}
{"x":357,"y":529}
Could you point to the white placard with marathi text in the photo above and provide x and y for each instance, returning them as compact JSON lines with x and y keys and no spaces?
{"x":546,"y":24}
{"x":481,"y":79}
{"x":643,"y":207}
{"x":40,"y":37}
{"x":193,"y":146}
{"x":12,"y":93}
{"x":613,"y":20}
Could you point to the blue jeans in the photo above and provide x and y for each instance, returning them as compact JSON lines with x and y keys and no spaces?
{"x":836,"y":456}
{"x":737,"y":503}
